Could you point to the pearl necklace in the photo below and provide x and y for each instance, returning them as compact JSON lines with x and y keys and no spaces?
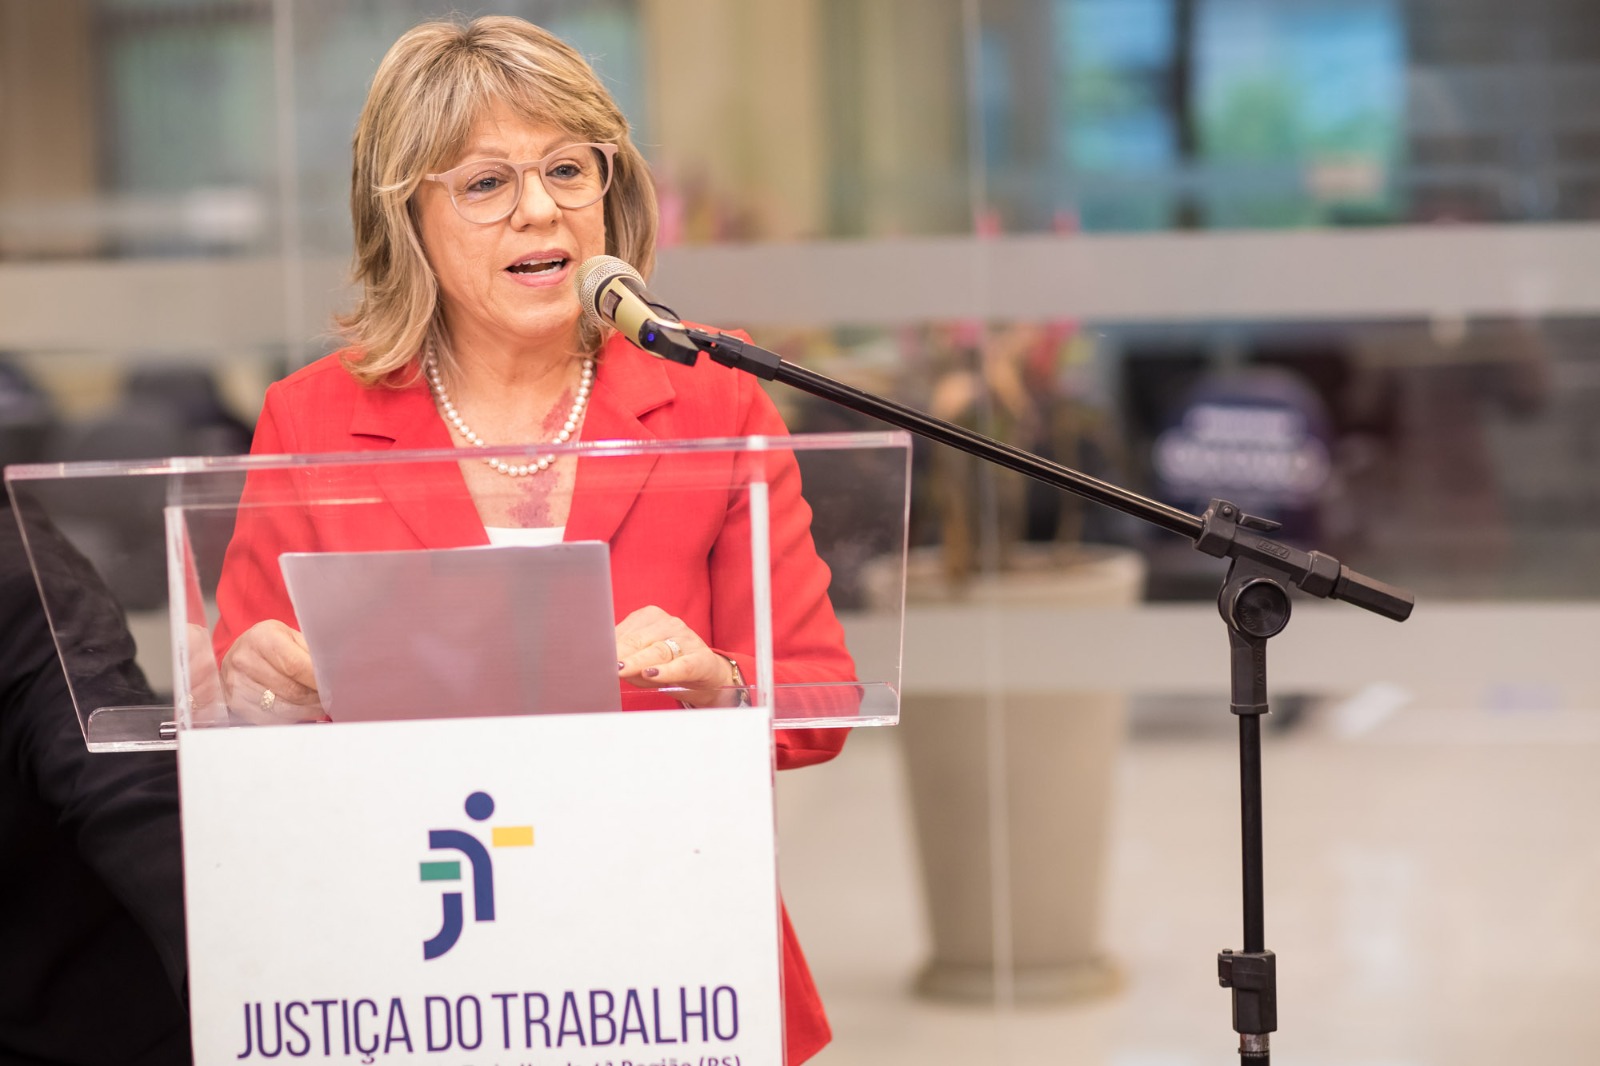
{"x":451,"y":415}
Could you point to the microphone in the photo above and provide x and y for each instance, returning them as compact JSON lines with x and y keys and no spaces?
{"x":613,"y":293}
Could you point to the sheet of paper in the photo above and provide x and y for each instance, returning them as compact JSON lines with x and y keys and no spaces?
{"x":458,"y":632}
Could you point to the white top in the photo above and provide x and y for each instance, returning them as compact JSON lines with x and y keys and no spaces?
{"x":538,"y":536}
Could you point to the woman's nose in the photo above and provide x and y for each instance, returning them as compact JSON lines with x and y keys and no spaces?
{"x":534,"y":206}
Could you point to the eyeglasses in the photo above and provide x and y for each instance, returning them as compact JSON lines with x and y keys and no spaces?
{"x":488,"y":190}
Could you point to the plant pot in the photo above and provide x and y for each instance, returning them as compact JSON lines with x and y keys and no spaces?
{"x":1058,"y":764}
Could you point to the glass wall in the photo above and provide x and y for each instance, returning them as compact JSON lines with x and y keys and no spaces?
{"x":1331,"y":259}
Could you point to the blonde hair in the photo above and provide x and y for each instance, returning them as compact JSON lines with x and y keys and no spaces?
{"x":431,"y":88}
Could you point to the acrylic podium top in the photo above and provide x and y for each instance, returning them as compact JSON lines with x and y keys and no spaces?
{"x":757,"y":544}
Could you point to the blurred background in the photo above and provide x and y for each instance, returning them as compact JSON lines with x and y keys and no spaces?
{"x":1337,"y":261}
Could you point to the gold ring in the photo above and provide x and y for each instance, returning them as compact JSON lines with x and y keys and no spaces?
{"x":268,"y":698}
{"x":672,"y":646}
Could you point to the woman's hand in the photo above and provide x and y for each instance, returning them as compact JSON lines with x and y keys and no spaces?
{"x":267,"y":677}
{"x":657,"y":650}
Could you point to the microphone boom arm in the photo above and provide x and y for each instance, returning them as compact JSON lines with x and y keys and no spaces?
{"x":1223,"y":531}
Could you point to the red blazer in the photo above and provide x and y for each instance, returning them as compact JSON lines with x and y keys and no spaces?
{"x":676,"y":541}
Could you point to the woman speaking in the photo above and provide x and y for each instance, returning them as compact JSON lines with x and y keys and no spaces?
{"x":490,"y":163}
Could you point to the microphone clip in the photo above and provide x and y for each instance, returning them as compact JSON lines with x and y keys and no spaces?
{"x":730,"y":351}
{"x":669,"y":340}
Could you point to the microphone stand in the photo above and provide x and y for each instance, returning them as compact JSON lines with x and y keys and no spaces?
{"x":1253,"y":602}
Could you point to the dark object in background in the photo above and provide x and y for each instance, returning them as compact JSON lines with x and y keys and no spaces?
{"x":1302,"y":380}
{"x":27,"y":417}
{"x":190,"y":395}
{"x":163,"y":412}
{"x":1258,"y":437}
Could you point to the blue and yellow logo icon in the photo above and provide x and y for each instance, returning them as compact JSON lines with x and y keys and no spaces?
{"x":480,"y":806}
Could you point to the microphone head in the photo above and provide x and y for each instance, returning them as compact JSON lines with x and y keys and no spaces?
{"x":593,"y":275}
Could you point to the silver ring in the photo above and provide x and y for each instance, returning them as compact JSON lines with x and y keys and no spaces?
{"x":672,"y":646}
{"x":268,"y":698}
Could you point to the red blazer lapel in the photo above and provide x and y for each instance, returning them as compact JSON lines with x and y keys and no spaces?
{"x":628,"y":385}
{"x":430,"y":498}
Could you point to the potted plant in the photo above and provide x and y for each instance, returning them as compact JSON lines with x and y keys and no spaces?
{"x":1035,"y":769}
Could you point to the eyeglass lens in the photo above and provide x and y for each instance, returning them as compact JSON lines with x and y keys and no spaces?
{"x":488,"y":191}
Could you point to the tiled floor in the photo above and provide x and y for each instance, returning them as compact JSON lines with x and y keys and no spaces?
{"x":1433,"y":895}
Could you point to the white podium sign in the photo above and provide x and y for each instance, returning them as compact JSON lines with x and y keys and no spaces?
{"x":540,"y":890}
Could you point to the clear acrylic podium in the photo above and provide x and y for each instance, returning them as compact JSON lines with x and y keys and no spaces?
{"x":335,"y":877}
{"x":160,"y":533}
